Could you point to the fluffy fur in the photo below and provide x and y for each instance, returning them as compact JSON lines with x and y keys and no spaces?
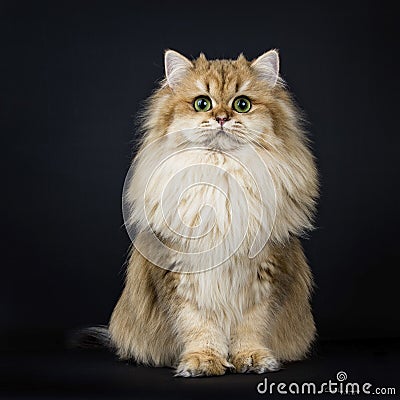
{"x":217,"y":278}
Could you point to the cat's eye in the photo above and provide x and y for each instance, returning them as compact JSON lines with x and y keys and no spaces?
{"x":241,"y":104}
{"x":202,"y":103}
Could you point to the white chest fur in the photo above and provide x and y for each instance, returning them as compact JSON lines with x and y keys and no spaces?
{"x":210,"y":205}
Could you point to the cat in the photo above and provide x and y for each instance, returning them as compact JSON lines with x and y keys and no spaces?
{"x":222,"y":188}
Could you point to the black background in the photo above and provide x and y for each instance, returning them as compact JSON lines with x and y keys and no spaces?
{"x":73,"y":76}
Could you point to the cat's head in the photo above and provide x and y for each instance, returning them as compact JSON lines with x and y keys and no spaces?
{"x":220,"y":103}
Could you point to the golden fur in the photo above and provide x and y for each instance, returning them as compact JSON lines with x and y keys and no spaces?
{"x":209,"y":309}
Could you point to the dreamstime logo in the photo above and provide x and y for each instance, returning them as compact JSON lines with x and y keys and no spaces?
{"x":190,"y":208}
{"x":340,"y":386}
{"x":341,"y":376}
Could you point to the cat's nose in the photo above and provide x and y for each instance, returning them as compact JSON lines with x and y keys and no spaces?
{"x":222,"y":119}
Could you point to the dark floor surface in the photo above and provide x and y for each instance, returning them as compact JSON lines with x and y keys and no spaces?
{"x":58,"y":372}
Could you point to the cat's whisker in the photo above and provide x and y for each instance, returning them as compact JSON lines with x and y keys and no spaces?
{"x":268,"y":142}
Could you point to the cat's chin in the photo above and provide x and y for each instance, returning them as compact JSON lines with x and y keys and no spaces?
{"x":221,"y":140}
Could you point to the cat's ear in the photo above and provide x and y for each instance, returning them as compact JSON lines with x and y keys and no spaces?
{"x":267,"y":66}
{"x":176,"y":67}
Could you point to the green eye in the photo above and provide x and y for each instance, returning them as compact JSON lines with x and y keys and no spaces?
{"x":202,"y":103}
{"x":241,"y":104}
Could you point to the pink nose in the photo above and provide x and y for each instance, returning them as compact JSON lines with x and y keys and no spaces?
{"x":221,"y":120}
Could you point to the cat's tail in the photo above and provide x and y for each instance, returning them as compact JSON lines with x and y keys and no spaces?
{"x":89,"y":338}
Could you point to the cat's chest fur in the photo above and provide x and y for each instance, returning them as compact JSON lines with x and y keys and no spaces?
{"x":208,"y":202}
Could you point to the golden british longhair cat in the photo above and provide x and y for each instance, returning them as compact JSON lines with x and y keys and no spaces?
{"x":220,"y":191}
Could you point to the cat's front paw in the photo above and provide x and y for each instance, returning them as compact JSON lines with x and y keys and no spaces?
{"x":257,"y":361}
{"x":202,"y":363}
